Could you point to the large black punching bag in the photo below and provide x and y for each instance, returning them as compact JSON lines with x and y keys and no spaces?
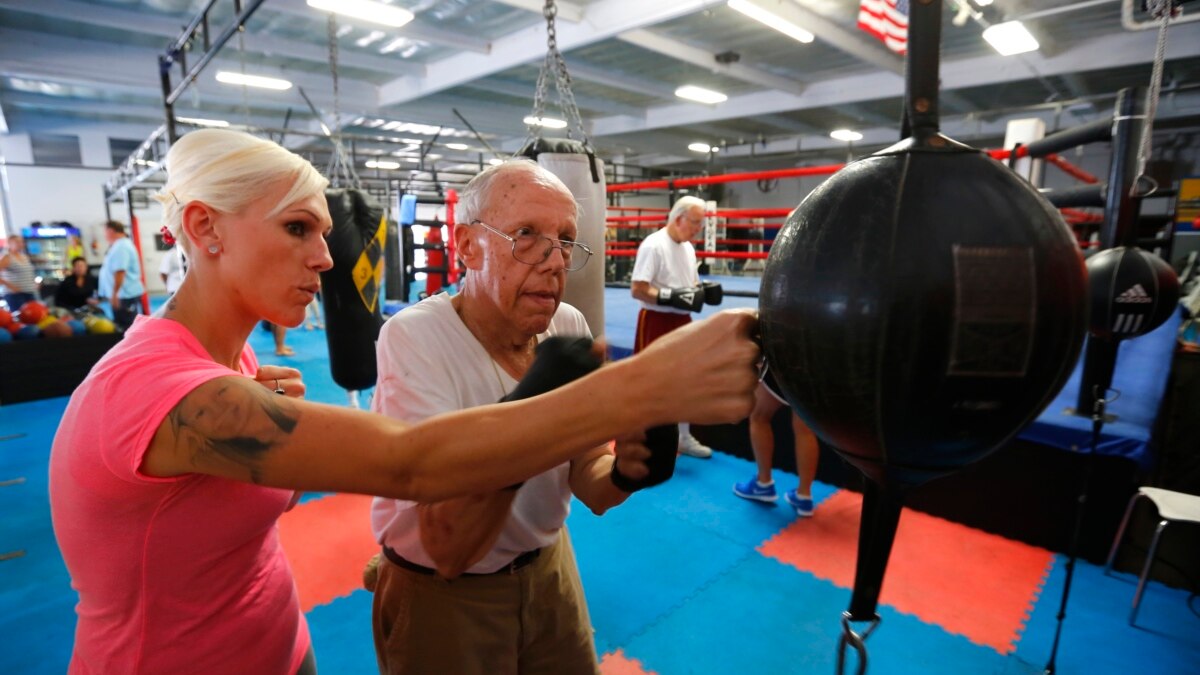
{"x":351,"y":289}
{"x":919,"y":308}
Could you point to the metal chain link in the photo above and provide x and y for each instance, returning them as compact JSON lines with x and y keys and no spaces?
{"x":554,"y":65}
{"x":242,"y":59}
{"x":1162,"y":10}
{"x":340,"y":165}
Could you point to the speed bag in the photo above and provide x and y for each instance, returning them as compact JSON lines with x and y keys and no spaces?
{"x":583,"y":174}
{"x":350,"y":290}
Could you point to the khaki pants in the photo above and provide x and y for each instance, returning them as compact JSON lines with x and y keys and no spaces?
{"x":529,"y":622}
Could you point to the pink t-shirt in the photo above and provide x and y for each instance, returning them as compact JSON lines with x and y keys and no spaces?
{"x":174,"y":575}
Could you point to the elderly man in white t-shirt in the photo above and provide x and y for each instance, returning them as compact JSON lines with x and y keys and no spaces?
{"x":488,"y":583}
{"x":666,"y":281}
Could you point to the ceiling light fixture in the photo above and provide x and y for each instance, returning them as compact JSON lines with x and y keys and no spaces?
{"x":702,"y":147}
{"x":230,"y":77}
{"x":548,"y":122}
{"x":845,"y":135}
{"x":700,"y":94}
{"x":1010,"y":37}
{"x":202,"y":122}
{"x":381,"y":164}
{"x":756,"y":12}
{"x":367,"y":10}
{"x":457,"y":146}
{"x":495,"y":161}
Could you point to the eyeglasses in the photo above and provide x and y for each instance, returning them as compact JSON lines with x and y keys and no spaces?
{"x":533,"y":249}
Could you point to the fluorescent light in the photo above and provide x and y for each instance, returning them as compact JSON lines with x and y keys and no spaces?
{"x":393,"y":45}
{"x":983,"y":3}
{"x":845,"y":135}
{"x":700,"y":94}
{"x":457,"y":146}
{"x":1010,"y":37}
{"x":201,"y":122}
{"x":775,"y":21}
{"x":548,"y":122}
{"x":230,"y":77}
{"x":700,"y":147}
{"x":373,"y":36}
{"x":381,"y":164}
{"x":375,"y":12}
{"x":495,"y":161}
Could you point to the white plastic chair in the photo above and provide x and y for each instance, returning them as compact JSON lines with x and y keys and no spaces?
{"x":1173,"y":507}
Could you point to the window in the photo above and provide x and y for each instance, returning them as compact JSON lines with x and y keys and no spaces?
{"x":121,"y":149}
{"x":55,"y":149}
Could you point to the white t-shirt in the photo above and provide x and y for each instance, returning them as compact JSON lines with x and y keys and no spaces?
{"x":172,"y":267}
{"x":665,"y":263}
{"x":430,"y":363}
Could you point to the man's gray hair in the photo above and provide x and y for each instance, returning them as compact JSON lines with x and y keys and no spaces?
{"x":476,"y":197}
{"x":682,"y":205}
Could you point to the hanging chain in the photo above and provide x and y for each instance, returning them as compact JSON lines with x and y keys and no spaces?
{"x":242,"y":59}
{"x":554,"y":65}
{"x":1144,"y":185}
{"x":340,"y":167}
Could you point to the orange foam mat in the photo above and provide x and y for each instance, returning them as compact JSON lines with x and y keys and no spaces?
{"x":328,"y":542}
{"x":616,"y":663}
{"x":970,"y":583}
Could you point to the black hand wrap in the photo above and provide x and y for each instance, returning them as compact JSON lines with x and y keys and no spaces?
{"x":558,"y":361}
{"x":663,"y":443}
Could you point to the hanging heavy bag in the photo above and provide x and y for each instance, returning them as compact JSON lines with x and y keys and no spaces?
{"x":350,"y":290}
{"x":583,"y":174}
{"x":918,"y":309}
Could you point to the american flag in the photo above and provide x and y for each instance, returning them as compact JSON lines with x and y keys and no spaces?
{"x":886,"y":20}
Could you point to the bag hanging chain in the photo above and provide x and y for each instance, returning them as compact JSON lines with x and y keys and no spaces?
{"x":1163,"y":10}
{"x":554,"y":65}
{"x":340,"y":165}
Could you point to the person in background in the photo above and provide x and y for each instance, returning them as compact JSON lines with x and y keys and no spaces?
{"x":280,"y":334}
{"x":78,"y":289}
{"x":172,"y":268}
{"x":178,"y":453}
{"x":74,"y":248}
{"x":17,"y":278}
{"x":761,"y":487}
{"x":666,"y":281}
{"x":121,"y":275}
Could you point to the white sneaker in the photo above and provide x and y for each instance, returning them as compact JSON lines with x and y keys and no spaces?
{"x":688,"y":445}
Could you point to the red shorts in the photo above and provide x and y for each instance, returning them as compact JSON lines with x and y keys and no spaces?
{"x":652,"y":325}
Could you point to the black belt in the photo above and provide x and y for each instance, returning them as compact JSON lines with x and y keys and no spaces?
{"x":517,"y":563}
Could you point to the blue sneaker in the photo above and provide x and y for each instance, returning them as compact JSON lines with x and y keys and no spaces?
{"x":803,"y":505}
{"x":753,"y":491}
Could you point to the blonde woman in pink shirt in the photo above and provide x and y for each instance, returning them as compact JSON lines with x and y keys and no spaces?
{"x":176,"y":456}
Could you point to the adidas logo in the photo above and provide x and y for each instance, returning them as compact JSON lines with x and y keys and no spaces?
{"x":1135,"y":294}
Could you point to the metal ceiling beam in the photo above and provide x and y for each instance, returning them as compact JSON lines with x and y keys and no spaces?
{"x":524,"y":91}
{"x":708,"y":60}
{"x":602,"y":19}
{"x":102,"y":63}
{"x":160,"y":26}
{"x":785,"y":123}
{"x":621,"y":81}
{"x":150,"y":113}
{"x":566,"y":10}
{"x":1107,"y":51}
{"x":417,"y":29}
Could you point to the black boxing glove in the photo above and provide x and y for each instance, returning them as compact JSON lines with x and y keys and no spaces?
{"x":557,"y":361}
{"x":663,"y":443}
{"x":713,"y":293}
{"x":690,"y":298}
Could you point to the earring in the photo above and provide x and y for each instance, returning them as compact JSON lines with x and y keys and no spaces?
{"x":214,"y":249}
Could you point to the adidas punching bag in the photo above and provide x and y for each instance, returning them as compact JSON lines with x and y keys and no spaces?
{"x":350,"y":290}
{"x":919,"y":308}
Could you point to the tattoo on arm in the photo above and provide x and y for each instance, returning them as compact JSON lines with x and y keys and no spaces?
{"x":234,"y":419}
